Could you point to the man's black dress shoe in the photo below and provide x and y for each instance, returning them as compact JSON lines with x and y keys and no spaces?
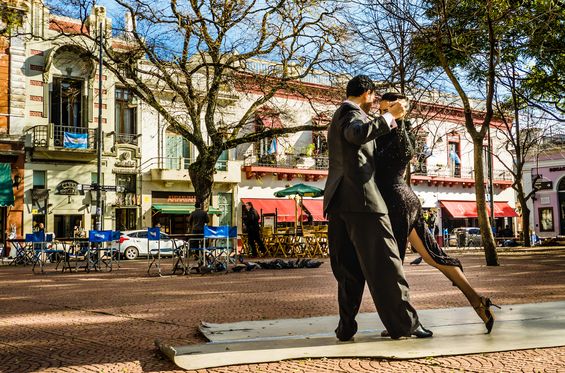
{"x":345,"y":331}
{"x":419,"y":332}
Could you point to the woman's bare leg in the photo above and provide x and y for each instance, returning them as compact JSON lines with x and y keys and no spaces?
{"x":453,"y":273}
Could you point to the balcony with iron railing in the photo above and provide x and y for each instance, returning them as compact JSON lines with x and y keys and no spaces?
{"x":286,"y":166}
{"x":127,"y":138}
{"x":447,"y":175}
{"x":171,"y":169}
{"x":46,"y":139}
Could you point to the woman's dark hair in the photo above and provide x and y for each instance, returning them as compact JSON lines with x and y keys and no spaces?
{"x":359,"y":85}
{"x":392,"y":96}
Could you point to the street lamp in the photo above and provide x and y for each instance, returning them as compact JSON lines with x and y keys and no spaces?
{"x":99,"y":135}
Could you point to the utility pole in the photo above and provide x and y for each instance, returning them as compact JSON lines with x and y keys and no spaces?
{"x":99,"y":135}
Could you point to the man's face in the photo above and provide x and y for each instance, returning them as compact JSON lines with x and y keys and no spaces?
{"x":367,"y":100}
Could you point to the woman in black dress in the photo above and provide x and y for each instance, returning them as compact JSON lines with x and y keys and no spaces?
{"x":394,"y":152}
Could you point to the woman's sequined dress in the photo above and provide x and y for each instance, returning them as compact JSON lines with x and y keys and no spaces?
{"x":394,"y":152}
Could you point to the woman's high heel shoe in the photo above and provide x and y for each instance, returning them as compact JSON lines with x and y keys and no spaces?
{"x":484,"y":306}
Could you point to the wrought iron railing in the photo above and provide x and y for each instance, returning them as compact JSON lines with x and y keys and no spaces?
{"x":39,"y":136}
{"x":288,"y":161}
{"x":456,"y":172}
{"x":59,"y":136}
{"x":181,"y":163}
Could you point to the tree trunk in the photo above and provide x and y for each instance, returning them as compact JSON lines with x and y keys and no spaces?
{"x":202,"y":178}
{"x":525,"y":221}
{"x":484,"y":223}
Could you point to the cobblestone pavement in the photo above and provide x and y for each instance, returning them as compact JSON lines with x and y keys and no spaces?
{"x":107,"y":322}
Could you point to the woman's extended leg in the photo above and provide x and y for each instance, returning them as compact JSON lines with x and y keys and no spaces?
{"x":456,"y":275}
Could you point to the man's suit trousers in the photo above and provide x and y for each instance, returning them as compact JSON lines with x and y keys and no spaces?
{"x":363,"y":248}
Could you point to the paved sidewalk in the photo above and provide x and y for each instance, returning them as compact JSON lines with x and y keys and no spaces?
{"x":107,"y":322}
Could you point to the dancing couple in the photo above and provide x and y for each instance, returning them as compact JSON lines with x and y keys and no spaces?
{"x":373,"y":213}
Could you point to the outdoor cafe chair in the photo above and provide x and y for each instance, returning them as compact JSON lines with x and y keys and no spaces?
{"x":24,"y":252}
{"x":75,"y":252}
{"x":100,"y":257}
{"x":220,"y":244}
{"x":42,"y":249}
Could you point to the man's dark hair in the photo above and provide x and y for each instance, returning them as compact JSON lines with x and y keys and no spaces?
{"x":359,"y":85}
{"x":392,"y":96}
{"x":197,"y":205}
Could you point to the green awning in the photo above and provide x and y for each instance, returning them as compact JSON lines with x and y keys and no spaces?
{"x":182,"y":209}
{"x":6,"y":187}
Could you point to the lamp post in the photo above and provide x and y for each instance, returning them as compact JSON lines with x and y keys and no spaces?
{"x":99,"y":136}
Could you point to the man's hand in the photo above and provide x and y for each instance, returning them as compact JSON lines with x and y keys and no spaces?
{"x":397,"y":110}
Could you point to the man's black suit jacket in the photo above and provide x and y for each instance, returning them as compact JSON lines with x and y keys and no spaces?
{"x":351,"y":185}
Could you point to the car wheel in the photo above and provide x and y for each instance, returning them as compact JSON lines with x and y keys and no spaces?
{"x":131,"y":253}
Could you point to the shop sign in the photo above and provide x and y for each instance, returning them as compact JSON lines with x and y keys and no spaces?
{"x":173,"y":197}
{"x":129,"y":171}
{"x":67,"y":188}
{"x":543,"y":184}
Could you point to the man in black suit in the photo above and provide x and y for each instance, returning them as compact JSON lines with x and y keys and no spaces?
{"x":197,"y":219}
{"x":254,"y":239}
{"x":361,"y":241}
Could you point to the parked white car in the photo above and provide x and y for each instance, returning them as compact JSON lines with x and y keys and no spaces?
{"x":134,"y":244}
{"x":465,"y":237}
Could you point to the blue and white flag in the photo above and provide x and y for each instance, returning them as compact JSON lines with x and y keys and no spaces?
{"x":455,"y":157}
{"x":273,"y":146}
{"x":75,"y":140}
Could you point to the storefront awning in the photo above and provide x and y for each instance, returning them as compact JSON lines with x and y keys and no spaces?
{"x":6,"y":187}
{"x":468,"y":209}
{"x":285,"y":208}
{"x":316,"y":208}
{"x":182,"y":209}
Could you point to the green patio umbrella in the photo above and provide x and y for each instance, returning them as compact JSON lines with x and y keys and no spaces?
{"x":300,"y":190}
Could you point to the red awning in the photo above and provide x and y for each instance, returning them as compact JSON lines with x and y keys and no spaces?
{"x":316,"y":208}
{"x":285,"y":208}
{"x":468,"y":209}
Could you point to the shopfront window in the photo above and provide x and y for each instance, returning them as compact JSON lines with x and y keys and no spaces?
{"x":127,"y":194}
{"x":126,"y":219}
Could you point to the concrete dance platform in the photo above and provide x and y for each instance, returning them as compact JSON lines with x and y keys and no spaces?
{"x":457,"y":331}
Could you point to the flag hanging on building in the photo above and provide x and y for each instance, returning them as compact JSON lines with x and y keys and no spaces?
{"x":273,"y":146}
{"x":455,"y":158}
{"x":75,"y":140}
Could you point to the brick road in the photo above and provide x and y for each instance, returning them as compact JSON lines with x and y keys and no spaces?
{"x":107,"y":322}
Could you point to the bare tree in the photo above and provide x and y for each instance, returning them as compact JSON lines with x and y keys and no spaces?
{"x":195,"y":57}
